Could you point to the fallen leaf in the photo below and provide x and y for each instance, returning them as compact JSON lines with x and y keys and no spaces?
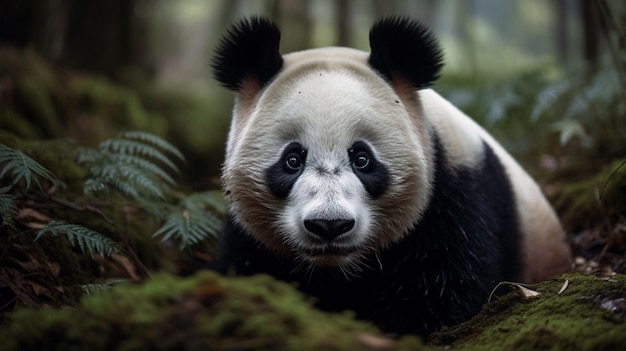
{"x":525,"y":293}
{"x":375,"y":342}
{"x":128,"y":266}
{"x":564,"y":287}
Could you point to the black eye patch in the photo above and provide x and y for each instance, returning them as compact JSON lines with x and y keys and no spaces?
{"x":373,"y":175}
{"x":282,"y":175}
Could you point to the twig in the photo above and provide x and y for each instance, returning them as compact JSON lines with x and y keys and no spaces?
{"x":127,"y":247}
{"x":72,"y":205}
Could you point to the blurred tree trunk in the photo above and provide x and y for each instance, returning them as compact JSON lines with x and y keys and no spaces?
{"x":384,"y":7}
{"x":95,"y":35}
{"x":21,"y":22}
{"x":103,"y":35}
{"x":562,"y":37}
{"x":591,"y":32}
{"x":295,"y":22}
{"x":343,"y":22}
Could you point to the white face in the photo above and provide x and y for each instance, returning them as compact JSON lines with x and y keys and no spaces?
{"x":327,"y":167}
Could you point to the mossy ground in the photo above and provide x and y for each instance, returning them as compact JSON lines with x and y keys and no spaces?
{"x":209,"y":312}
{"x":204,"y":312}
{"x":590,"y":314}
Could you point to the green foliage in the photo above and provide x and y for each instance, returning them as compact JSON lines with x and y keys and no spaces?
{"x":8,"y":209}
{"x":193,"y":220}
{"x":137,"y":169}
{"x":141,"y":167}
{"x":584,"y":98}
{"x":136,"y":165}
{"x":91,"y":289}
{"x":86,"y":239}
{"x":19,"y":166}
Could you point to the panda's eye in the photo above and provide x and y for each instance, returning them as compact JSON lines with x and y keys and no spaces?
{"x":293,"y":161}
{"x":361,"y":160}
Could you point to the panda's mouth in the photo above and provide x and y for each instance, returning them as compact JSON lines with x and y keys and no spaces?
{"x":328,"y":251}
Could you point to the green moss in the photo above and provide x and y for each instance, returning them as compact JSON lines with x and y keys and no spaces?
{"x":258,"y":313}
{"x":205,"y":312}
{"x":571,"y":320}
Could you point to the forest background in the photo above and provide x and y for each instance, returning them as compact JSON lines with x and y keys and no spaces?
{"x":114,"y":101}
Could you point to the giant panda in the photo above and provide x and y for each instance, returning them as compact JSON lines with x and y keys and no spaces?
{"x":347,"y":175}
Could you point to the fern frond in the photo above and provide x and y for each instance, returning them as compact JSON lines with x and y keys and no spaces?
{"x":568,"y":129}
{"x":132,"y":147}
{"x":189,"y":227}
{"x":7,"y":207}
{"x":605,"y":86}
{"x":20,"y":166}
{"x":144,"y":165}
{"x":86,"y":239}
{"x":205,"y":200}
{"x":548,"y":96}
{"x":90,"y":289}
{"x":154,"y":140}
{"x":131,"y":176}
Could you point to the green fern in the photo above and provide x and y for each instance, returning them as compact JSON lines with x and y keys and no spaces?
{"x":136,"y":165}
{"x":7,"y":207}
{"x":154,"y":140}
{"x":91,"y":289}
{"x":19,"y":166}
{"x":189,"y":227}
{"x":205,"y":200}
{"x":193,"y":220}
{"x":86,"y":239}
{"x":548,"y":96}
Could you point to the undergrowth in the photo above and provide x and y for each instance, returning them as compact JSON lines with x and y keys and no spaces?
{"x":134,"y":173}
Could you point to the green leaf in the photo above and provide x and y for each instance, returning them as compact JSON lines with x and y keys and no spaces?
{"x":154,"y":140}
{"x":548,"y":96}
{"x":136,"y":165}
{"x":131,"y":147}
{"x":189,"y":227}
{"x":568,"y":129}
{"x":7,"y":207}
{"x":86,"y":239}
{"x":91,"y":289}
{"x":205,"y":200}
{"x":20,"y":166}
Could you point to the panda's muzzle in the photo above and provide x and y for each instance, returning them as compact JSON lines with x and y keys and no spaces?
{"x":328,"y":230}
{"x":328,"y":251}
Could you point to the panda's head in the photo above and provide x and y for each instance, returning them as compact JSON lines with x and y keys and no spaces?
{"x":328,"y":157}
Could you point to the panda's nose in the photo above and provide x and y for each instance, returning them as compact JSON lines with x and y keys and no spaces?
{"x":328,"y":229}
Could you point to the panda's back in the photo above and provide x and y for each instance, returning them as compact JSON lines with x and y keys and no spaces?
{"x":543,"y":249}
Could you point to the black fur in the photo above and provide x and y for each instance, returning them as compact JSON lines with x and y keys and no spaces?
{"x":440,"y":274}
{"x":375,"y":178}
{"x":249,"y":50}
{"x":279,"y":177}
{"x":405,"y":48}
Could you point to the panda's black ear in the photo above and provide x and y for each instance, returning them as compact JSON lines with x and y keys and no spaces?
{"x":248,"y":51}
{"x":406,"y":49}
